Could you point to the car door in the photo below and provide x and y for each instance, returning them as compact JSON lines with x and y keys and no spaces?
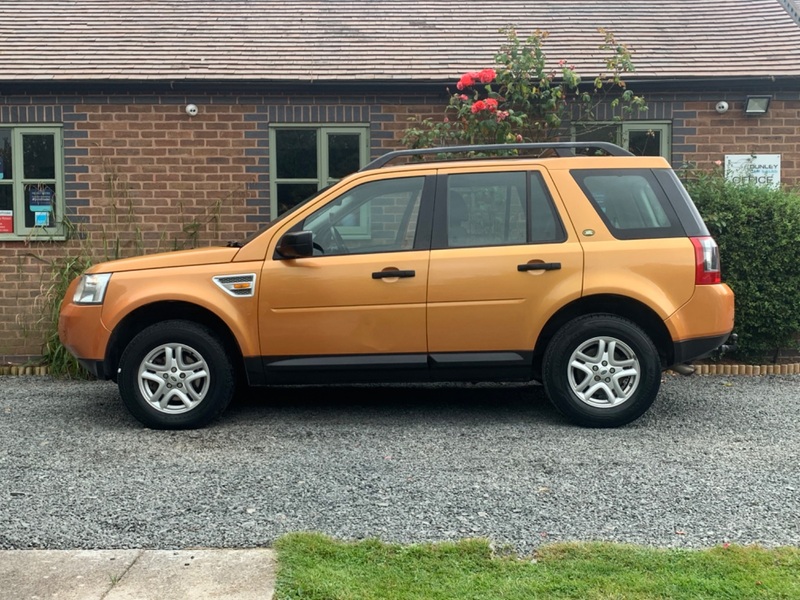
{"x":503,"y":260}
{"x":357,"y":304}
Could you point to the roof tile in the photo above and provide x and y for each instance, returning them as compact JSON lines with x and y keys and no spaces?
{"x":352,"y":40}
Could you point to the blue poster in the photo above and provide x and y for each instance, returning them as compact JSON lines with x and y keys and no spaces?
{"x":40,"y":200}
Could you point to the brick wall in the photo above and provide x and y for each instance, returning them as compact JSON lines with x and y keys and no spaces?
{"x":708,"y":136}
{"x":142,"y":175}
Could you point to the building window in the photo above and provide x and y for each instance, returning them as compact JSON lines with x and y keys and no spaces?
{"x":31,"y":182}
{"x":642,"y":138}
{"x":305,"y":159}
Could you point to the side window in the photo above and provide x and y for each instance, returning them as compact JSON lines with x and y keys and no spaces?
{"x":631,"y":203}
{"x":31,"y":182}
{"x":486,"y":209}
{"x":495,"y":209}
{"x":390,"y":207}
{"x":545,"y":226}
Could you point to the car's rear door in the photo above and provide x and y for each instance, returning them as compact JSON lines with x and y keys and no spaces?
{"x":504,"y":258}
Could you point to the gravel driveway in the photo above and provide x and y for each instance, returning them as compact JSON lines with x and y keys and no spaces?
{"x":716,"y":459}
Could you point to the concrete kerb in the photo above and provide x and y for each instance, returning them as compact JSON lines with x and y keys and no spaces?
{"x":752,"y":370}
{"x":24,"y":370}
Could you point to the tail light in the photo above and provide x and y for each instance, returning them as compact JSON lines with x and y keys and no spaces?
{"x":706,"y":260}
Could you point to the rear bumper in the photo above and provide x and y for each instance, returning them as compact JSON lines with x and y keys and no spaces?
{"x":703,"y":324}
{"x":688,"y":350}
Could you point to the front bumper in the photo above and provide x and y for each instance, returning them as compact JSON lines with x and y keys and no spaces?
{"x":81,"y":331}
{"x":96,"y":368}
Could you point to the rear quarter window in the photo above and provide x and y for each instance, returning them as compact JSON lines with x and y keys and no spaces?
{"x":631,"y":202}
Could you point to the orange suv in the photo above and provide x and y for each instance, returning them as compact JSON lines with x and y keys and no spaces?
{"x":579,"y":266}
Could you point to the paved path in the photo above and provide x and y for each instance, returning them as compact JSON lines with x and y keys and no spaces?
{"x":137,"y":574}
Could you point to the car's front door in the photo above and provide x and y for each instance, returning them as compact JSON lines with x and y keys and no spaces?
{"x":502,"y":262}
{"x":359,"y":302}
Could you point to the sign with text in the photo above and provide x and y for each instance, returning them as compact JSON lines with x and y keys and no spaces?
{"x":6,"y":221}
{"x":40,"y":200}
{"x":754,"y":169}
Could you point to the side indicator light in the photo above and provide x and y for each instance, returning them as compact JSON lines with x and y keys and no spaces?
{"x":241,"y":286}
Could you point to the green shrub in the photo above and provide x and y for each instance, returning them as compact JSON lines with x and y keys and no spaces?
{"x":58,"y":359}
{"x":758,"y":232}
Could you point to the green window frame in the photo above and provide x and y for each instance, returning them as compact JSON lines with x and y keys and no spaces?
{"x":31,"y":182}
{"x":643,"y":138}
{"x":306,"y":158}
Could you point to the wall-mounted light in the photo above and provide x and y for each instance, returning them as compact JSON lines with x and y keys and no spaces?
{"x":756,"y":105}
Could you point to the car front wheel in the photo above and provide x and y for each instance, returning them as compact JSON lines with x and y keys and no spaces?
{"x":601,"y":371}
{"x":176,"y":375}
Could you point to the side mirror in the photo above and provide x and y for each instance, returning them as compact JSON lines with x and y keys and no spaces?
{"x":296,"y":244}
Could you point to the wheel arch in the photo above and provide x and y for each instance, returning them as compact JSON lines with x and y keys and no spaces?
{"x":621,"y":306}
{"x":150,"y":314}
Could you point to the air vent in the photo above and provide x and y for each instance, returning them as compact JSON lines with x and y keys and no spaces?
{"x":241,"y":286}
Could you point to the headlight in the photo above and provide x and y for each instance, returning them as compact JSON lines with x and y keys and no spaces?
{"x":91,"y":288}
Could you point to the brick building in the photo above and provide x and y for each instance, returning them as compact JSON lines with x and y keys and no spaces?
{"x":103,"y":155}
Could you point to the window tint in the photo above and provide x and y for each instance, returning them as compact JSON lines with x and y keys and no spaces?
{"x":296,"y":153}
{"x":631,"y":202}
{"x":545,"y":226}
{"x":379,"y":216}
{"x":486,"y":209}
{"x":491,"y":209}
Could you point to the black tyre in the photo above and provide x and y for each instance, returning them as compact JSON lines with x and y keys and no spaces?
{"x":601,"y":371}
{"x":176,"y":375}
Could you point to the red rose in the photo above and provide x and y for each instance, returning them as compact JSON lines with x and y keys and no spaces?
{"x":491,"y":104}
{"x":487,"y":76}
{"x":478,"y":106}
{"x":466,"y":80}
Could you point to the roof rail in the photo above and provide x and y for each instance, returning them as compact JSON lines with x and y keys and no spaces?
{"x":560,"y":148}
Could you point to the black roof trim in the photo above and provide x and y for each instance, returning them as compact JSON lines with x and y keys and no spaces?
{"x":560,"y":149}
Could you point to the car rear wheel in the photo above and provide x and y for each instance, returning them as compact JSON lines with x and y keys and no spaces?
{"x":176,"y":375}
{"x":601,"y":371}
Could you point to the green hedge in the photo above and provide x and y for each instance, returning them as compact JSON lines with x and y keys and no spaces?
{"x":758,"y":232}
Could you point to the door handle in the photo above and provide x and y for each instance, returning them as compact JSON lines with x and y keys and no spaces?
{"x":396,"y":273}
{"x":553,"y":266}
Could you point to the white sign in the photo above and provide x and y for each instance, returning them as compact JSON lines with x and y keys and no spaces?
{"x":754,"y":169}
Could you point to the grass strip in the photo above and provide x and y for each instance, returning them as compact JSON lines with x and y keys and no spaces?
{"x":316,"y":567}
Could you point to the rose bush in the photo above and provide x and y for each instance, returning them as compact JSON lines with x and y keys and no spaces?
{"x":523,"y":99}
